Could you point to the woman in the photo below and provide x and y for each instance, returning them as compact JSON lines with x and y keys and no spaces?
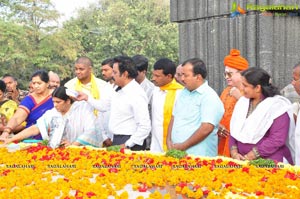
{"x":33,"y":106}
{"x":262,"y":121}
{"x":68,"y":123}
{"x":7,"y":107}
{"x":234,"y":64}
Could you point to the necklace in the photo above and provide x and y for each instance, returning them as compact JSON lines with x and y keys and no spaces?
{"x":252,"y":107}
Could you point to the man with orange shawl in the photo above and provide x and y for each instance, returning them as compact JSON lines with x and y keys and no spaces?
{"x":234,"y":64}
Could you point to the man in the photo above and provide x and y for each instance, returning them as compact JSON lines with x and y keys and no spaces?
{"x":296,"y":86}
{"x":129,"y":120}
{"x":107,"y":70}
{"x":54,"y":80}
{"x":141,"y":64}
{"x":290,"y":91}
{"x":196,"y":114}
{"x":12,"y":90}
{"x":95,"y":89}
{"x":163,"y":100}
{"x":178,"y":74}
{"x":296,"y":109}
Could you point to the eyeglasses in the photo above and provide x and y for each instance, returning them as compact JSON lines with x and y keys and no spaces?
{"x":229,"y":74}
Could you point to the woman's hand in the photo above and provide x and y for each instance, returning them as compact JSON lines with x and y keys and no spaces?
{"x":4,"y":135}
{"x":238,"y":156}
{"x":65,"y":143}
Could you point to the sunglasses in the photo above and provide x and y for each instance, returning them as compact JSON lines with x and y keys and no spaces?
{"x":229,"y":74}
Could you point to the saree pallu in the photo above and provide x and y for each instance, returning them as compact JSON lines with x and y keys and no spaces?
{"x":35,"y":110}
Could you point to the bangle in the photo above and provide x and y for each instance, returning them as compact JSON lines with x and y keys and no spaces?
{"x":5,"y":132}
{"x":233,"y":147}
{"x":7,"y":128}
{"x":256,"y":153}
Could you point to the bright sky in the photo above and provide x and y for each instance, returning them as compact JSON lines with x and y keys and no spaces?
{"x":68,"y":7}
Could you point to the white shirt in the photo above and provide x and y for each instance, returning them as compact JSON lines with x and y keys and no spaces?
{"x":129,"y":114}
{"x":102,"y":105}
{"x":297,"y":141}
{"x":157,"y":118}
{"x":148,"y":87}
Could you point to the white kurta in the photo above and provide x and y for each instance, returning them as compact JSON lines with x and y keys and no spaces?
{"x":102,"y":105}
{"x":148,"y":87}
{"x":157,"y":118}
{"x":78,"y":124}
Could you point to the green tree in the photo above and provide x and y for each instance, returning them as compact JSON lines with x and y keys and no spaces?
{"x":32,"y":40}
{"x":127,"y":27}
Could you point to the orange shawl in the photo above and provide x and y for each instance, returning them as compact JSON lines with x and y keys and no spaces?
{"x":229,"y":103}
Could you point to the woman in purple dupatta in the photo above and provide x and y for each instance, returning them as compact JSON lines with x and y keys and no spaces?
{"x":32,"y":106}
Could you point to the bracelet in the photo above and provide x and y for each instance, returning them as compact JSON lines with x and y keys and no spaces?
{"x":233,"y":147}
{"x":7,"y":127}
{"x":256,"y":153}
{"x":6,"y":132}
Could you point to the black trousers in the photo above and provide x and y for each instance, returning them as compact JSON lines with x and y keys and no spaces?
{"x":121,"y":139}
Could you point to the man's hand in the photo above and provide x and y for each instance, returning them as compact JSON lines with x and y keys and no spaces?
{"x":82,"y":96}
{"x":223,"y":132}
{"x":235,"y":92}
{"x":107,"y":142}
{"x":179,"y":146}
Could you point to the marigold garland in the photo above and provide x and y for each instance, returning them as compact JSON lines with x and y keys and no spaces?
{"x":89,"y":173}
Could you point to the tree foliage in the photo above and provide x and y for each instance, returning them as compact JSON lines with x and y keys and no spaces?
{"x":127,"y":27}
{"x":31,"y":38}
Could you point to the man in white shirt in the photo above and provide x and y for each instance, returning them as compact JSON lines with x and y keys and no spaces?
{"x":129,"y":120}
{"x":141,"y":64}
{"x":96,"y":89}
{"x":296,"y":110}
{"x":163,"y":100}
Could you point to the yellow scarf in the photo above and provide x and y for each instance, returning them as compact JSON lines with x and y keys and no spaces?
{"x":168,"y":107}
{"x":93,"y":90}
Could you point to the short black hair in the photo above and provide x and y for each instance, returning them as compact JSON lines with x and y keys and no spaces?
{"x":126,"y":64}
{"x":108,"y":61}
{"x":199,"y":67}
{"x":167,"y":65}
{"x":9,"y":75}
{"x":141,"y":62}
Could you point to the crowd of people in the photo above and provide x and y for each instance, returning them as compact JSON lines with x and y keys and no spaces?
{"x":176,"y":109}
